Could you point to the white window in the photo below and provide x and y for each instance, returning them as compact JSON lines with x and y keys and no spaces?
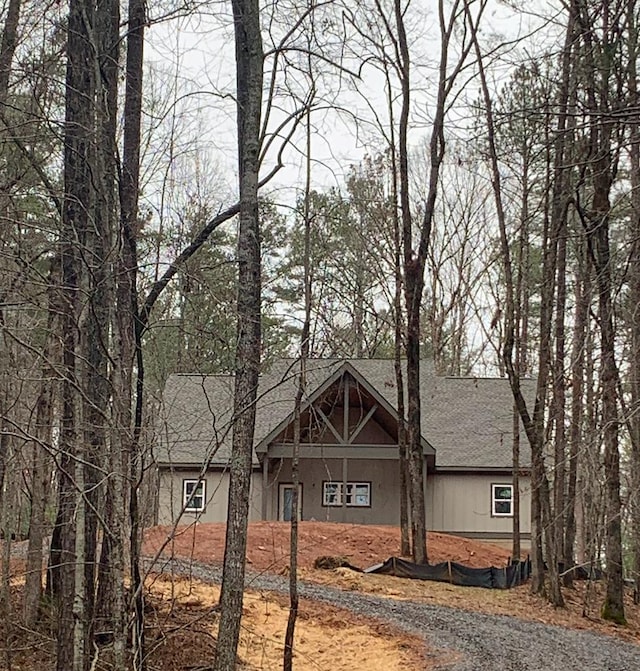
{"x":193,"y":495}
{"x":502,"y":500}
{"x":332,"y":494}
{"x":358,"y":494}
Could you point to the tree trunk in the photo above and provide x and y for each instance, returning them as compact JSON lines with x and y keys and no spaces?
{"x":40,"y":487}
{"x":405,"y":491}
{"x":634,"y":300}
{"x":8,"y":46}
{"x":74,"y":616}
{"x":559,"y":397}
{"x":249,"y":64}
{"x":577,"y":402}
{"x":300,"y":392}
{"x":515,"y":543}
{"x":603,"y":92}
{"x":129,"y":327}
{"x":613,"y":608}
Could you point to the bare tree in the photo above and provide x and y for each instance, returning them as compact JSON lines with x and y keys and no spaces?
{"x":416,"y":252}
{"x":300,"y":392}
{"x":634,"y":295}
{"x":602,"y":89}
{"x":249,"y":64}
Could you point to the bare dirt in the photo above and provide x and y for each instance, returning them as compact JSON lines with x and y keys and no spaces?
{"x":362,"y":546}
{"x":328,"y":637}
{"x":182,"y":616}
{"x":268,"y":547}
{"x":184,"y":628}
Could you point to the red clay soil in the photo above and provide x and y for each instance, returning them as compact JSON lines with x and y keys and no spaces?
{"x":360,"y":545}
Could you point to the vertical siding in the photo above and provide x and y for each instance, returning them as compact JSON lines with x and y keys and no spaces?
{"x":456,"y":503}
{"x":217,"y":492}
{"x":462,"y":503}
{"x":382,"y":474}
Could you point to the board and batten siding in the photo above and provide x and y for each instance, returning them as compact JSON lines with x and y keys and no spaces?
{"x":461,"y":503}
{"x":383,"y":475}
{"x":217,"y":494}
{"x":456,"y":503}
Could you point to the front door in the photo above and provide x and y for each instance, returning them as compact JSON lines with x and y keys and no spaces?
{"x":285,"y":502}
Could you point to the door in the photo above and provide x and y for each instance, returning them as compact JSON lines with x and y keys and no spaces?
{"x":285,"y":502}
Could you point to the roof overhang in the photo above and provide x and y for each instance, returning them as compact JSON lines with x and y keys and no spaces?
{"x":345,"y":367}
{"x":524,"y":470}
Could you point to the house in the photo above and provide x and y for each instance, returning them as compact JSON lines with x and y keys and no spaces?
{"x":348,"y":450}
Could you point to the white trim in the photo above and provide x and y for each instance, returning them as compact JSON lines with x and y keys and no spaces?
{"x":194,"y":502}
{"x":332,"y":494}
{"x":495,"y":500}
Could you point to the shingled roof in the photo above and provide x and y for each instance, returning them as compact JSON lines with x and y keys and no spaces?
{"x":469,"y":421}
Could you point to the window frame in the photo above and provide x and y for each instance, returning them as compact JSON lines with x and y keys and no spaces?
{"x":494,"y":500}
{"x":350,"y":494}
{"x":188,"y":499}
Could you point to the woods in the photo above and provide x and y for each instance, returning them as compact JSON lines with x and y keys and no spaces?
{"x":455,"y":187}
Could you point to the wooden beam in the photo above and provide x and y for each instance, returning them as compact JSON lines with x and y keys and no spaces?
{"x":265,"y":486}
{"x":330,"y":426}
{"x":362,"y":423}
{"x":345,"y":410}
{"x":388,"y":452}
{"x":345,"y":479}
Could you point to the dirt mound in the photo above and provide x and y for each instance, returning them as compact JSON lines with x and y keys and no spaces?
{"x":361,"y":545}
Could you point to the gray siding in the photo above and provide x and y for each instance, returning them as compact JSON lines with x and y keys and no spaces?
{"x":461,"y":503}
{"x":456,"y":503}
{"x":217,"y":492}
{"x":382,"y":474}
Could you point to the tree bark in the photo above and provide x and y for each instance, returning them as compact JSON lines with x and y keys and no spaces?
{"x":249,"y":76}
{"x":603,"y":92}
{"x":129,"y":326}
{"x":300,"y":392}
{"x":559,"y":397}
{"x":577,"y":402}
{"x":77,"y":213}
{"x":634,"y":298}
{"x":41,"y":473}
{"x":8,"y":46}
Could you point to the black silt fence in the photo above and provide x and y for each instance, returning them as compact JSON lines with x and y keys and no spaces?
{"x":492,"y":577}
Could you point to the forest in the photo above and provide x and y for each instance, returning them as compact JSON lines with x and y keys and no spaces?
{"x":196,"y":186}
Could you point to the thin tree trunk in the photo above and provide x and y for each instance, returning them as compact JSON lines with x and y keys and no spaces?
{"x":101,"y":445}
{"x":559,"y":397}
{"x":515,"y":544}
{"x":129,"y":327}
{"x":8,"y":46}
{"x":520,"y":328}
{"x":40,"y":478}
{"x":249,"y":64}
{"x":414,"y":282}
{"x":302,"y":384}
{"x":405,"y":498}
{"x":577,"y":402}
{"x":613,"y":608}
{"x":7,"y":52}
{"x":600,"y":85}
{"x":634,"y":299}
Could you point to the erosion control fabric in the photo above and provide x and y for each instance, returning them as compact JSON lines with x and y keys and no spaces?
{"x":457,"y":574}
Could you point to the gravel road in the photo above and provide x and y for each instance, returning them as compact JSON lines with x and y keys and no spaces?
{"x":484,"y":642}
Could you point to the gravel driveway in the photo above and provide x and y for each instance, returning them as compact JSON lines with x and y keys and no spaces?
{"x":486,"y":642}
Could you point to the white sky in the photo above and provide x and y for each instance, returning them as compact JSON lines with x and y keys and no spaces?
{"x":195,"y":58}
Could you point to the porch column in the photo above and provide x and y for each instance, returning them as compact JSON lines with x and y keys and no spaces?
{"x":265,"y":486}
{"x":424,"y":490}
{"x":345,"y":477}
